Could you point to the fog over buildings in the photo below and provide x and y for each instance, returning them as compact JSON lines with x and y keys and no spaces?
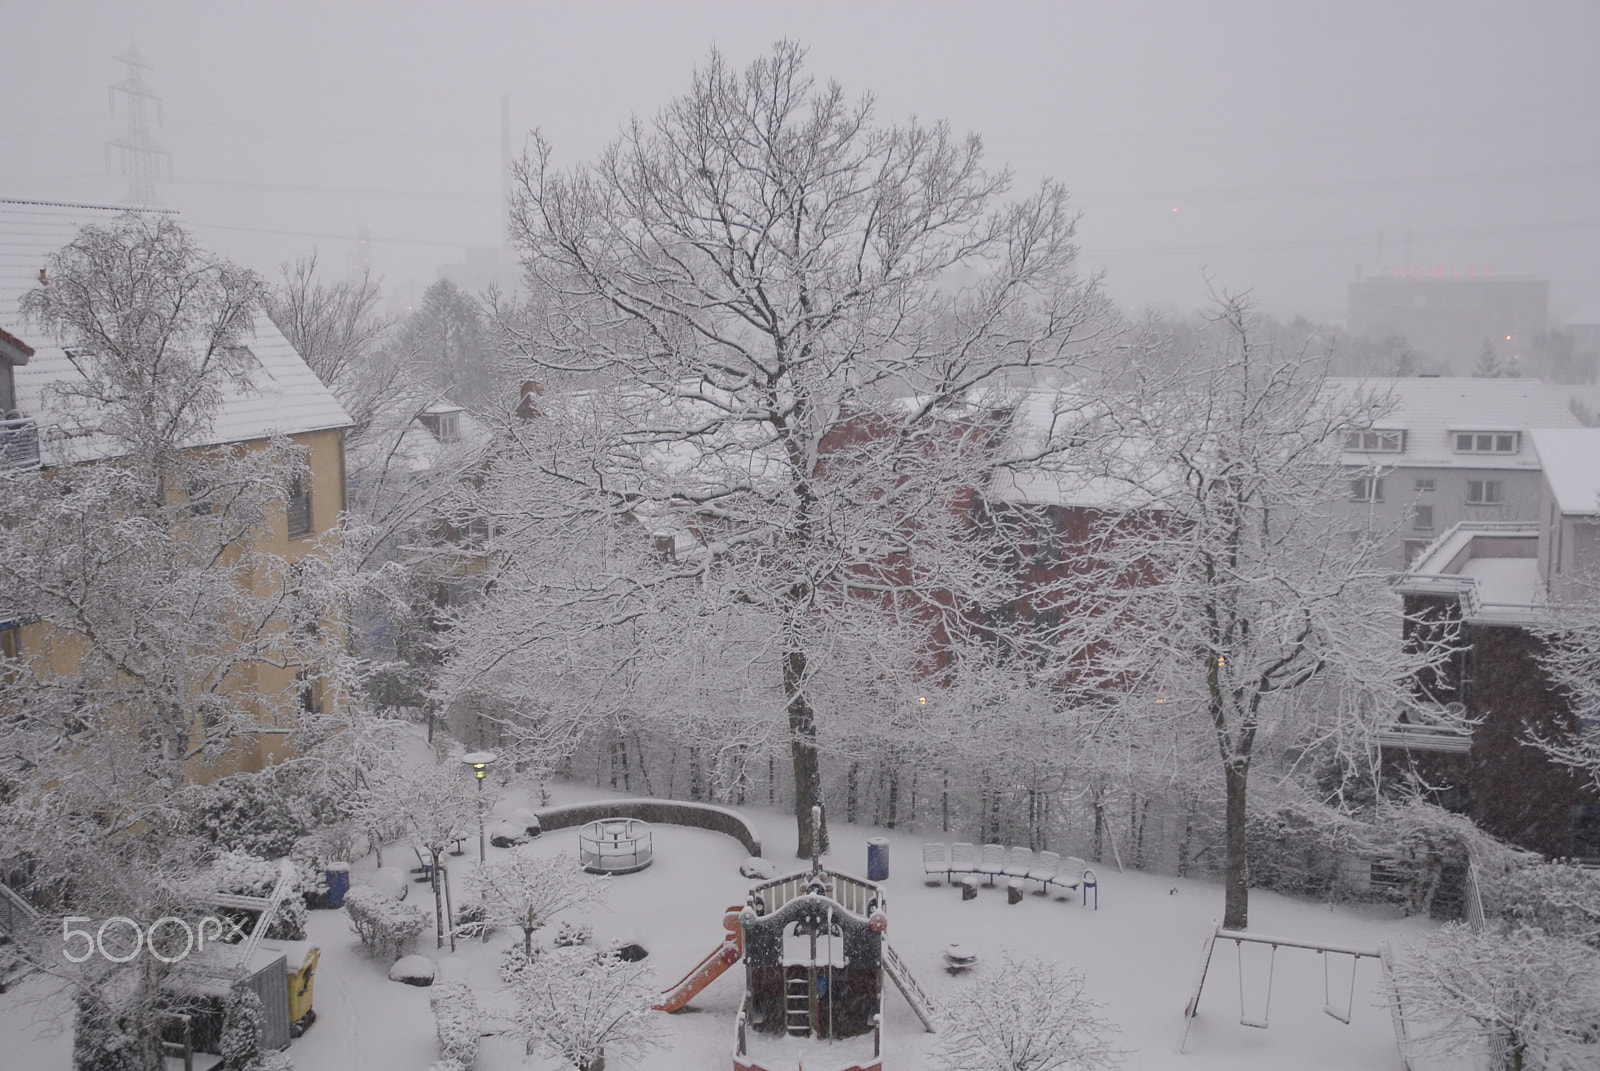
{"x":1285,"y":148}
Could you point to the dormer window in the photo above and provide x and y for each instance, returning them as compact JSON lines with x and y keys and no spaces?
{"x":1375,"y":441}
{"x":1486,"y":442}
{"x":446,"y":427}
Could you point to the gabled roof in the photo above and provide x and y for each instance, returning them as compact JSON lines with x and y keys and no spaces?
{"x":1571,"y":458}
{"x":1431,"y":409}
{"x":285,"y":397}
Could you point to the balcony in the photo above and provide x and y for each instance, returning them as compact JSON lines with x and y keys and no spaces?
{"x":19,"y":443}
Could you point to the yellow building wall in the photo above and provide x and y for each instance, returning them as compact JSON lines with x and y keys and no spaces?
{"x":273,"y":687}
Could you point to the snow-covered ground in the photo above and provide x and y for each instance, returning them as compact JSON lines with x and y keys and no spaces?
{"x":1140,"y":953}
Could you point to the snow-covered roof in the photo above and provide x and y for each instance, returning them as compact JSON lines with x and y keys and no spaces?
{"x":1588,"y":316}
{"x":284,"y":395}
{"x":1041,"y":420}
{"x":419,"y":448}
{"x":1571,"y":460}
{"x":1432,"y":410}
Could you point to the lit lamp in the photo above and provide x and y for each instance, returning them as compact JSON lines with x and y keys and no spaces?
{"x":479,"y":761}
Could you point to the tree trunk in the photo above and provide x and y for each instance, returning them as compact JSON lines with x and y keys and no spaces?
{"x":1236,"y":872}
{"x":803,"y":748}
{"x":438,"y":899}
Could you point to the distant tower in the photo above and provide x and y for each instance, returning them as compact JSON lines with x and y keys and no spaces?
{"x":138,"y":153}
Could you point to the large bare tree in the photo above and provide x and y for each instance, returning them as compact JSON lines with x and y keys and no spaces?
{"x":773,"y":334}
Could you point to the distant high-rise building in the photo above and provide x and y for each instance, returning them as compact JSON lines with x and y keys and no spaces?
{"x":1450,"y":313}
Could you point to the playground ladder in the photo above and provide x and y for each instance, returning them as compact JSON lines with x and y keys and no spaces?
{"x":797,"y":1007}
{"x":895,"y":967}
{"x":16,"y":915}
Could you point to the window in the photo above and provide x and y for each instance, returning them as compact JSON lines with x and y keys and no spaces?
{"x":1486,"y":442}
{"x":1425,"y":486}
{"x":1422,"y":518}
{"x":1483,"y":492}
{"x":298,"y":501}
{"x":1375,"y":442}
{"x":1367,"y":489}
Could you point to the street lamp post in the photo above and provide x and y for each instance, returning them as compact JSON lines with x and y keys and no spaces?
{"x":479,"y":760}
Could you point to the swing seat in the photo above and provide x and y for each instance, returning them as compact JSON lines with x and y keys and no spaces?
{"x":1327,"y":990}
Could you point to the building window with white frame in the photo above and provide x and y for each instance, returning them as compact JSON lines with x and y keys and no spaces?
{"x":1486,"y":442}
{"x":1424,"y":485}
{"x":1366,"y":489}
{"x":1375,"y":441}
{"x":1484,"y":492}
{"x":1422,"y":518}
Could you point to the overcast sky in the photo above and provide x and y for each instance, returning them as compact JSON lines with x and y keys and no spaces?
{"x":1270,"y":143}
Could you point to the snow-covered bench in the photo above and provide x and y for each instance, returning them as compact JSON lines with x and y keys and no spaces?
{"x":993,"y":861}
{"x":936,"y":862}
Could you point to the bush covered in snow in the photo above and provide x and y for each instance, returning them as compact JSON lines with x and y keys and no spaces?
{"x":459,"y":1022}
{"x":1562,"y":899}
{"x":100,"y":1040}
{"x":243,"y":874}
{"x":263,"y":813}
{"x":1027,"y":1016}
{"x":383,"y":923}
{"x":1534,"y":995}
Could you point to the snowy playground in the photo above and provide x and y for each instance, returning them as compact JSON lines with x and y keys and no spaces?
{"x":1140,"y":952}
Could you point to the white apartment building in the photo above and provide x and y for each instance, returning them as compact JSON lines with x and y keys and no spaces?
{"x":1447,"y":451}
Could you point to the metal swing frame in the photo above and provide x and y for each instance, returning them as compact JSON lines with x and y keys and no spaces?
{"x":1239,"y":937}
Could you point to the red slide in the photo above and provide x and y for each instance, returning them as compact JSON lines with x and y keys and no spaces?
{"x":707,"y":970}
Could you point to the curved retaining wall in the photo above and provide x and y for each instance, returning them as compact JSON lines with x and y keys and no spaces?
{"x":666,"y":812}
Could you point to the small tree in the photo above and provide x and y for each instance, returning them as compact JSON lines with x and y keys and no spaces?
{"x":1538,"y":996}
{"x":576,"y":1006}
{"x":527,"y":892}
{"x":1026,"y":1016}
{"x":1487,"y":365}
{"x":437,"y":804}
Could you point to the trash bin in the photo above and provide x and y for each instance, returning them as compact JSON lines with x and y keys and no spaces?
{"x":878,"y":859}
{"x":338,"y":875}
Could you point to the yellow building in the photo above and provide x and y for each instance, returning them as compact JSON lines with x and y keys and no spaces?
{"x":282,"y":398}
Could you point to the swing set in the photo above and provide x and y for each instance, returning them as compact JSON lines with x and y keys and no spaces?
{"x":1341,"y":1012}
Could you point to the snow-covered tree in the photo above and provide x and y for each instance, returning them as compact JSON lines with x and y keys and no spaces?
{"x":1026,"y":1015}
{"x":436,"y":803}
{"x":526,"y":892}
{"x":580,"y":1007}
{"x":1470,"y":991}
{"x":772,"y":336}
{"x":1571,"y":659}
{"x":447,"y":339}
{"x":338,"y":329}
{"x":153,"y":611}
{"x":1230,"y":576}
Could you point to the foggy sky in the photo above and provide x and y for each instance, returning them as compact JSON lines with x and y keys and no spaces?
{"x":1269,"y":143}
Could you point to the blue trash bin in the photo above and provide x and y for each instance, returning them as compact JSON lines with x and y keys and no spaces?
{"x":338,"y":875}
{"x":878,"y":859}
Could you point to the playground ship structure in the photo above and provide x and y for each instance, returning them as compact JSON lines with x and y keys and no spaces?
{"x":815,"y":957}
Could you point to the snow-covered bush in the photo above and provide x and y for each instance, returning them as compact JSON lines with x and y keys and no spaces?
{"x":100,"y":1041}
{"x":383,"y":923}
{"x":575,"y":1006}
{"x":1562,"y":899}
{"x":572,"y":934}
{"x":243,"y":874}
{"x":240,"y":1047}
{"x":264,"y":813}
{"x":1026,"y":1016}
{"x":1537,"y":996}
{"x":459,"y":1022}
